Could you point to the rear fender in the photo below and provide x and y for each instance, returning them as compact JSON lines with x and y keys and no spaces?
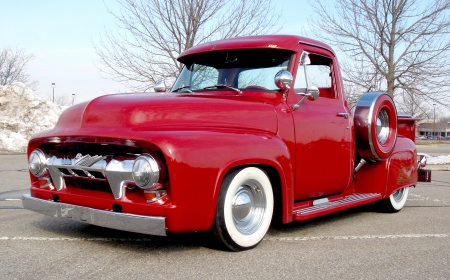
{"x":403,"y":168}
{"x":397,"y":171}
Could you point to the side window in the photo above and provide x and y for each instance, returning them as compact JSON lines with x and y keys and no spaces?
{"x":315,"y":72}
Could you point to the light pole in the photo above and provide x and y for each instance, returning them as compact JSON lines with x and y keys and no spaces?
{"x":434,"y":119}
{"x":73,"y":97}
{"x":53,"y":86}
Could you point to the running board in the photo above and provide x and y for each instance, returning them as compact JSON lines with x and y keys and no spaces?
{"x":323,"y":206}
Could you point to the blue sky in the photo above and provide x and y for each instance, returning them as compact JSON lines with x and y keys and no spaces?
{"x":61,"y":35}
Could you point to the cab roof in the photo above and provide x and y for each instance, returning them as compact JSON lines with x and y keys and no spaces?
{"x":283,"y":42}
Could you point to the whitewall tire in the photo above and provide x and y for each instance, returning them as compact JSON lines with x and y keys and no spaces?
{"x":244,"y":209}
{"x":395,"y":201}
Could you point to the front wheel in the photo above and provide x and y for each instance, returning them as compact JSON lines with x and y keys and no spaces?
{"x":244,"y":209}
{"x":394,"y":202}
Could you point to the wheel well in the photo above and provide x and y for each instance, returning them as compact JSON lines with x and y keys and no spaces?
{"x":275,"y":181}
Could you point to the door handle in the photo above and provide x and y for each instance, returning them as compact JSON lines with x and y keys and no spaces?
{"x":345,"y":115}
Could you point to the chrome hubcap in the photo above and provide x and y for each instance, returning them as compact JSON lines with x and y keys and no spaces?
{"x":248,"y":207}
{"x":382,"y":126}
{"x":399,"y":195}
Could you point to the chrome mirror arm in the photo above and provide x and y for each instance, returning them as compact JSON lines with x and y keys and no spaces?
{"x":312,"y":93}
{"x":305,"y":95}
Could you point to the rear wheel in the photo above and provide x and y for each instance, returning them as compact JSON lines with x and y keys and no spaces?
{"x":244,"y":210}
{"x":394,"y":202}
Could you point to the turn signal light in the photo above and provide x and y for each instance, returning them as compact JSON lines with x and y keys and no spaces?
{"x":152,"y":196}
{"x":46,"y":183}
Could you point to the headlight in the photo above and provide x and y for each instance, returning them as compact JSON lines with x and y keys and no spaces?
{"x":145,"y":171}
{"x":37,"y":163}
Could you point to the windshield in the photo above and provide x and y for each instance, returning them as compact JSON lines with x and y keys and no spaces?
{"x":253,"y":69}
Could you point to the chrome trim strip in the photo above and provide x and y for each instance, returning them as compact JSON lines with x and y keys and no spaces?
{"x":115,"y":220}
{"x":347,"y":200}
{"x":368,"y":100}
{"x":320,"y":201}
{"x":345,"y":115}
{"x":369,"y":127}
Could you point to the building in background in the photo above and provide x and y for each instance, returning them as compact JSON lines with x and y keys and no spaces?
{"x":431,"y":130}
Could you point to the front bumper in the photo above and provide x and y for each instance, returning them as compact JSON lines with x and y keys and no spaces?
{"x":121,"y":221}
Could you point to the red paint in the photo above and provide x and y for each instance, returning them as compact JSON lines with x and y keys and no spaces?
{"x":407,"y":127}
{"x":309,"y":152}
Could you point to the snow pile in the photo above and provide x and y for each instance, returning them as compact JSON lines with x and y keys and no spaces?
{"x":22,"y":114}
{"x":438,"y":159}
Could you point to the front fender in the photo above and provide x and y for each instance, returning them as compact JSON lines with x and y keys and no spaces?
{"x":197,"y":162}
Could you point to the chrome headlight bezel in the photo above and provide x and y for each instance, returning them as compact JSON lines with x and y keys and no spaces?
{"x":145,"y":171}
{"x":37,"y":163}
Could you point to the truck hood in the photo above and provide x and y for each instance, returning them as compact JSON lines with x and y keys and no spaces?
{"x":155,"y":112}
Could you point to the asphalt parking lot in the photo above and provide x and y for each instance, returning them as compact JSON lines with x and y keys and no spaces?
{"x":354,"y":244}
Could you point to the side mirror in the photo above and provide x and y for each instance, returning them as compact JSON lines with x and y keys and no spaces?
{"x":160,"y":86}
{"x":305,"y":60}
{"x":283,"y":80}
{"x":312,"y":92}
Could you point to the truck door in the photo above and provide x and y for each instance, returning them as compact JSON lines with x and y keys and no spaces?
{"x":323,"y":135}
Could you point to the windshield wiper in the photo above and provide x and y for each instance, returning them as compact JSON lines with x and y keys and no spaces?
{"x":224,"y":86}
{"x":185,"y":87}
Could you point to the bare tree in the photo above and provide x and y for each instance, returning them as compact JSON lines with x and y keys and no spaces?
{"x":63,"y":99}
{"x":352,"y":94}
{"x":445,"y":120}
{"x":399,"y":46}
{"x":413,"y":104}
{"x":13,"y":63}
{"x":154,"y":32}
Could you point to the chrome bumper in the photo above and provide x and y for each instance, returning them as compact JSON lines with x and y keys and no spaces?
{"x":121,"y":221}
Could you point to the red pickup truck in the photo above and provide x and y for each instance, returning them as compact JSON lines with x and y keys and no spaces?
{"x":254,"y":130}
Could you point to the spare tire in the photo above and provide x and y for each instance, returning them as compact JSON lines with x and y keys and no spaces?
{"x":375,"y":126}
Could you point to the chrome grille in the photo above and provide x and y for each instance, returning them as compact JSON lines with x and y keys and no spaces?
{"x":83,"y":173}
{"x":118,"y":173}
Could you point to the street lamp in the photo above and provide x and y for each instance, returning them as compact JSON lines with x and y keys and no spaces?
{"x":73,"y":97}
{"x":434,"y":119}
{"x":53,"y":86}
